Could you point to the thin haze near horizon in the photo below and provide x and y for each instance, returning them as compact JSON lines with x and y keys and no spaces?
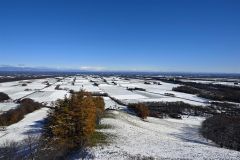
{"x":130,"y":35}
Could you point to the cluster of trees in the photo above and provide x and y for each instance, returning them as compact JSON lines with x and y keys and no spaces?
{"x":114,"y":83}
{"x":230,"y":109}
{"x":15,"y":115}
{"x":147,"y":83}
{"x":74,"y":80}
{"x":175,"y":109}
{"x":223,"y":129}
{"x":186,"y":89}
{"x":3,"y":97}
{"x":46,"y":83}
{"x":58,"y":87}
{"x":140,"y":109}
{"x":72,"y":122}
{"x":157,"y":83}
{"x":95,"y":84}
{"x":211,"y":91}
{"x":136,"y":88}
{"x":24,"y":84}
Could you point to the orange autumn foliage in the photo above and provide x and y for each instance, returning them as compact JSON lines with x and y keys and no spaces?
{"x":73,"y":120}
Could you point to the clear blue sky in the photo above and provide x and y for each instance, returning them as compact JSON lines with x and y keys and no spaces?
{"x":158,"y":35}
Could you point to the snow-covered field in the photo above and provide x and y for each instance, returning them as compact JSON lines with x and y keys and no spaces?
{"x":110,"y":104}
{"x":7,"y":106}
{"x":48,"y":96}
{"x":132,"y":137}
{"x":80,"y":84}
{"x":119,"y":92}
{"x":158,"y":139}
{"x":152,"y":93}
{"x":16,"y":89}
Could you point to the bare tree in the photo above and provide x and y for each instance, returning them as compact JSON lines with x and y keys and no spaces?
{"x":8,"y":151}
{"x":31,"y":143}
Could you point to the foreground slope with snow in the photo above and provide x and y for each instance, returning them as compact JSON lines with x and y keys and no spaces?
{"x":158,"y":139}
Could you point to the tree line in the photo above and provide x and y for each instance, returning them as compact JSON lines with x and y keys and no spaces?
{"x":15,"y":115}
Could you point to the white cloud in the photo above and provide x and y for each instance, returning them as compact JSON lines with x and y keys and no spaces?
{"x":92,"y":68}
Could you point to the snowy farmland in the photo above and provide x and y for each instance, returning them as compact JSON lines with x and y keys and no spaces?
{"x":131,"y":137}
{"x":151,"y":93}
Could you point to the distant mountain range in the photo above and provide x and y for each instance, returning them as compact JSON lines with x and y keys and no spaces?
{"x":9,"y":68}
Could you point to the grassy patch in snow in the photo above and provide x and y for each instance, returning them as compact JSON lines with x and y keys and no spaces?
{"x":103,"y":126}
{"x":98,"y":138}
{"x":108,"y":114}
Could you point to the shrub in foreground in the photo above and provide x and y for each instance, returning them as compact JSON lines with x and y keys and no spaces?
{"x":140,"y":109}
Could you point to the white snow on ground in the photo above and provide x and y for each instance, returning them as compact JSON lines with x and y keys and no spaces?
{"x":157,"y":97}
{"x":156,"y":93}
{"x":110,"y":104}
{"x":15,"y":89}
{"x":153,"y":93}
{"x":18,"y":95}
{"x":30,"y":125}
{"x":91,"y":88}
{"x":149,"y":87}
{"x":158,"y":138}
{"x":119,"y":92}
{"x":52,"y":87}
{"x":80,"y":84}
{"x":70,"y":87}
{"x":48,"y":96}
{"x":5,"y":106}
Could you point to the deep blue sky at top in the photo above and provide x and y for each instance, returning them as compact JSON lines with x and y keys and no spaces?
{"x":163,"y":35}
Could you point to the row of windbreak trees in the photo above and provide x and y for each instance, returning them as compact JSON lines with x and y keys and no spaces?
{"x":171,"y":109}
{"x":72,"y":122}
{"x":216,"y":92}
{"x":15,"y":115}
{"x":210,"y":91}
